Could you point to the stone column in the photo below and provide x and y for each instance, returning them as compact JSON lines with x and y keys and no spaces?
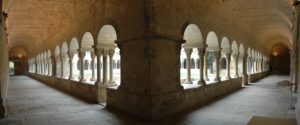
{"x":228,"y":60}
{"x":81,"y":58}
{"x":71,"y":56}
{"x":217,"y":56}
{"x":99,"y":55}
{"x":53,"y":59}
{"x":254,"y":65}
{"x":245,"y":69}
{"x":62,"y":58}
{"x":188,"y":52}
{"x":93,"y":66}
{"x":56,"y":60}
{"x":236,"y":58}
{"x":105,"y":71}
{"x":111,"y":70}
{"x":201,"y":52}
{"x":206,"y":66}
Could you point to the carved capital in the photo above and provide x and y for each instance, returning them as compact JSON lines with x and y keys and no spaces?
{"x":81,"y":54}
{"x":188,"y":51}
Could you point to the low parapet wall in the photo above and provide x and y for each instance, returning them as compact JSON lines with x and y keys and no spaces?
{"x":82,"y":90}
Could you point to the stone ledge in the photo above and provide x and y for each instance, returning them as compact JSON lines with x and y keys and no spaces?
{"x":155,"y":107}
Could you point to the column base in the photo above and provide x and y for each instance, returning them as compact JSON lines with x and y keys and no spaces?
{"x":236,"y":76}
{"x":217,"y":80}
{"x":71,"y":78}
{"x":93,"y":79}
{"x":227,"y":77}
{"x":112,"y":83}
{"x":102,"y":93}
{"x":245,"y":80}
{"x":206,"y":79}
{"x":3,"y":113}
{"x":188,"y":82}
{"x":202,"y":82}
{"x":82,"y":80}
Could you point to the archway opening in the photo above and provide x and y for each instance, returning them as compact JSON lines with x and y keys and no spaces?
{"x":18,"y":55}
{"x":280,"y":60}
{"x":11,"y":68}
{"x":225,"y":57}
{"x":109,"y":56}
{"x":189,"y":57}
{"x":212,"y":53}
{"x":234,"y":60}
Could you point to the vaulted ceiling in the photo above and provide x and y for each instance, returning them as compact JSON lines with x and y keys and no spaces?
{"x":269,"y":20}
{"x":31,"y":23}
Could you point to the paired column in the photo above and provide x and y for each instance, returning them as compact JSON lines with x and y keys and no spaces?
{"x":81,"y":58}
{"x":111,"y":62}
{"x":201,"y":52}
{"x":228,"y":60}
{"x":93,"y":66}
{"x":217,"y":57}
{"x":71,"y":56}
{"x":188,"y":52}
{"x":99,"y":55}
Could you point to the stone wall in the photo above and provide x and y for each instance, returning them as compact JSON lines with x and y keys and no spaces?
{"x":4,"y":78}
{"x":257,"y":76}
{"x":82,"y":90}
{"x":170,"y":103}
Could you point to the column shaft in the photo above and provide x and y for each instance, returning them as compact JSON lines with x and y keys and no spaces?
{"x":93,"y":66}
{"x":81,"y":58}
{"x":228,"y":60}
{"x":188,"y":52}
{"x":99,"y":55}
{"x":201,"y":53}
{"x":71,"y":56}
{"x":217,"y":57}
{"x":111,"y":70}
{"x":105,"y":71}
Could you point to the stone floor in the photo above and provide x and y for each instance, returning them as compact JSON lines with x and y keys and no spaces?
{"x":33,"y":103}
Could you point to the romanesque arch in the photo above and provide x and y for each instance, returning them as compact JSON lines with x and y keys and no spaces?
{"x":225,"y":55}
{"x":212,"y":57}
{"x":189,"y":54}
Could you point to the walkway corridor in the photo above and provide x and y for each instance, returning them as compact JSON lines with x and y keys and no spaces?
{"x":33,"y":103}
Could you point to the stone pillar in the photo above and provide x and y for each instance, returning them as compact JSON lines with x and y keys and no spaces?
{"x":105,"y":70}
{"x":53,"y":59}
{"x":206,"y":66}
{"x":99,"y":55}
{"x":245,"y":69}
{"x":93,"y":66}
{"x":201,"y":52}
{"x":228,"y":60}
{"x":62,"y":58}
{"x":217,"y":56}
{"x":236,"y":57}
{"x":71,"y":56}
{"x":150,"y":71}
{"x":188,"y":52}
{"x":111,"y":62}
{"x":56,"y":60}
{"x":81,"y":58}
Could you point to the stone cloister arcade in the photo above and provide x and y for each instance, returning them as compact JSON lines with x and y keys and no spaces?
{"x":80,"y":64}
{"x":149,"y":58}
{"x":201,"y":61}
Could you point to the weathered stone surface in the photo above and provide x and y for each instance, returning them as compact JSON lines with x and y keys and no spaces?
{"x":32,"y":103}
